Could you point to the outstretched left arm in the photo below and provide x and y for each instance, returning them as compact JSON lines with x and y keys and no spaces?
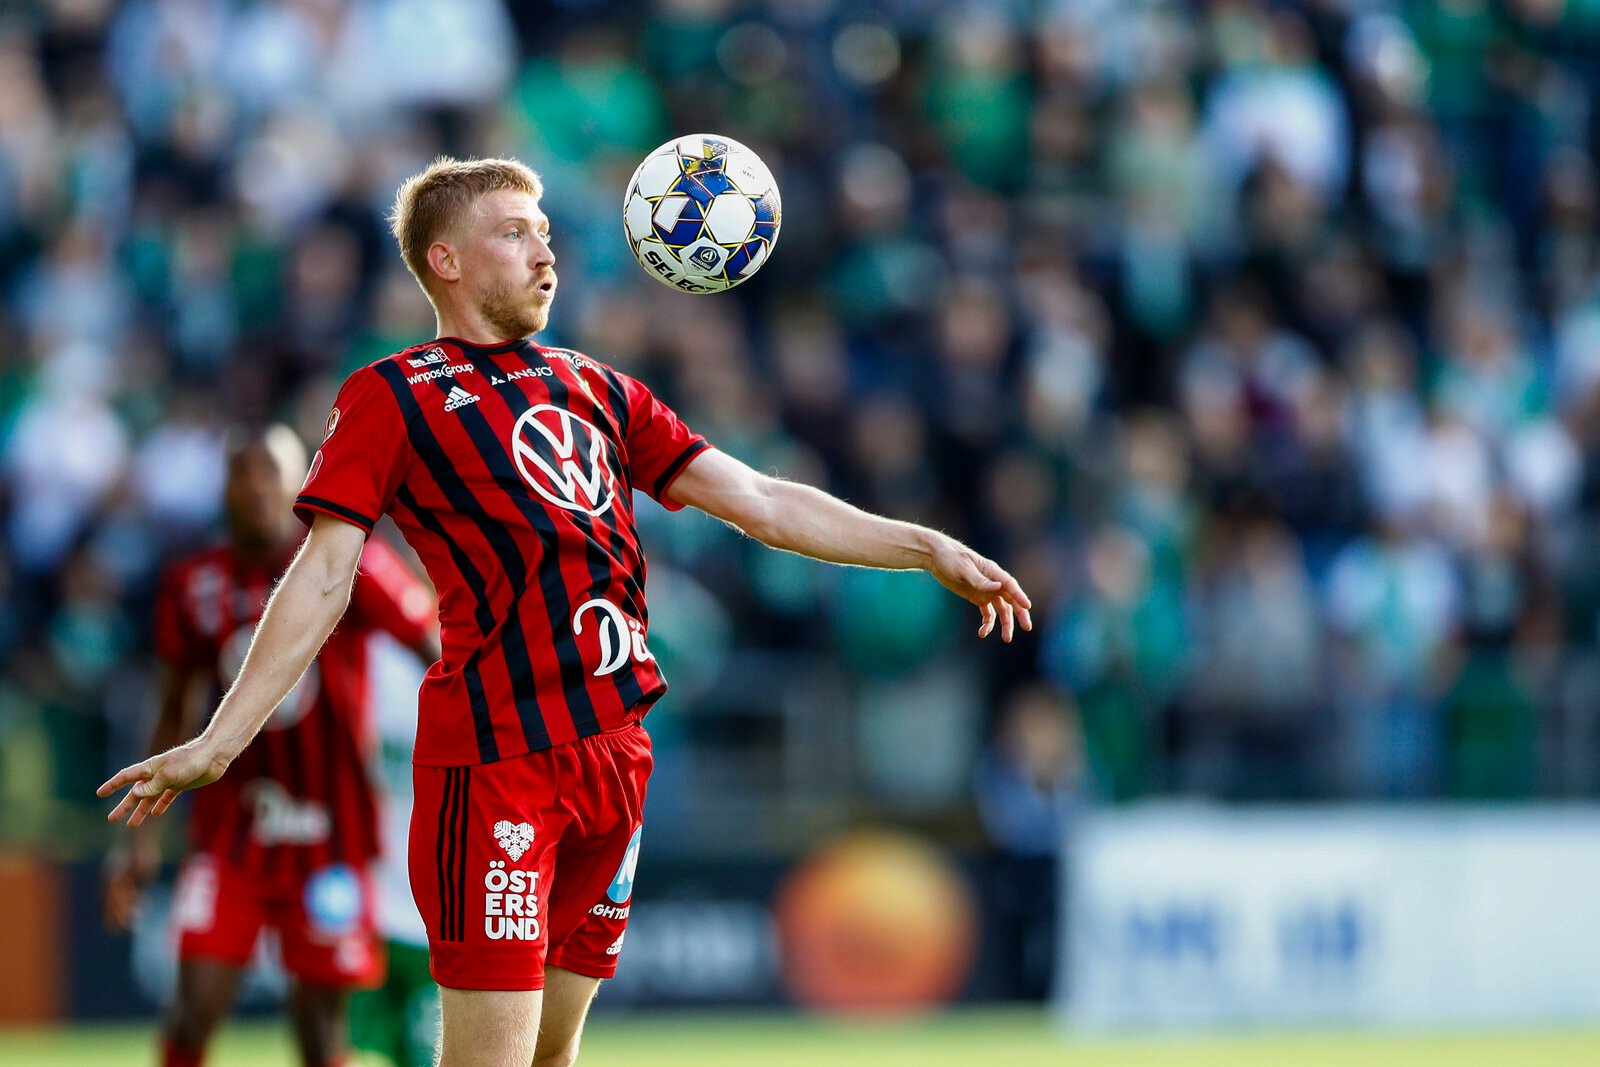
{"x":802,"y":519}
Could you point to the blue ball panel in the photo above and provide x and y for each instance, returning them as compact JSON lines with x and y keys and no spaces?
{"x":702,"y":186}
{"x":686,"y":232}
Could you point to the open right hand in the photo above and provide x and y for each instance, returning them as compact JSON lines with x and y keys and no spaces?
{"x":158,"y":780}
{"x":985,"y":583}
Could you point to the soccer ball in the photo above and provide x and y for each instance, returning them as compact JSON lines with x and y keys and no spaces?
{"x":702,"y":213}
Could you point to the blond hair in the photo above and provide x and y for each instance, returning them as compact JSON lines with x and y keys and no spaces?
{"x":431,"y":204}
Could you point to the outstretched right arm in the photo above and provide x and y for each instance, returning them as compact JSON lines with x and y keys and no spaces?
{"x":303,"y":611}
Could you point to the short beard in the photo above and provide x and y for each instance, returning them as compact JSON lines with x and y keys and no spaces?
{"x":510,"y":318}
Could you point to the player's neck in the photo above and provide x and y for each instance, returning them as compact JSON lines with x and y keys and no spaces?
{"x":470,"y":328}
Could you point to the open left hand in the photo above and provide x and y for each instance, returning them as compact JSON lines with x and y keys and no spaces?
{"x":985,"y":583}
{"x":158,"y":780}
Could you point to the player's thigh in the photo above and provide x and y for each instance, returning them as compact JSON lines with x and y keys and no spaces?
{"x":567,"y":997}
{"x":206,"y":990}
{"x":488,"y":1027}
{"x":317,"y":1013}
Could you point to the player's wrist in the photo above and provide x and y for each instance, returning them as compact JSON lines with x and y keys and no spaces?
{"x":219,"y":747}
{"x":928,"y":545}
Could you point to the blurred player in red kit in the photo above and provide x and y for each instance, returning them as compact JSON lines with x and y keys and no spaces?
{"x":511,"y":469}
{"x":287,"y":840}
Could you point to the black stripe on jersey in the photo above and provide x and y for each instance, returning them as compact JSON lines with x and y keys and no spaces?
{"x":496,"y":455}
{"x":440,"y":839}
{"x":552,"y":582}
{"x":426,"y":519}
{"x":472,"y":678}
{"x":338,"y":509}
{"x":482,"y":723}
{"x":464,"y":824}
{"x":598,"y":560}
{"x":677,"y":465}
{"x":619,"y":401}
{"x":461,"y":498}
{"x":623,"y":413}
{"x":513,"y":641}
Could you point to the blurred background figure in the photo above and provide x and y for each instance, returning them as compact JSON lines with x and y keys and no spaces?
{"x":1032,"y":784}
{"x":288,"y":846}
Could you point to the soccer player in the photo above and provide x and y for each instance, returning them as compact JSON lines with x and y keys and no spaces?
{"x":286,"y":841}
{"x":510,"y":468}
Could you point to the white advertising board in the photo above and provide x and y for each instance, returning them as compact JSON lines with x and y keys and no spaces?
{"x":1433,"y":916}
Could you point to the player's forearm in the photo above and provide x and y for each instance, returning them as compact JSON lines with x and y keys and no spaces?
{"x":303,"y":611}
{"x":800,"y":518}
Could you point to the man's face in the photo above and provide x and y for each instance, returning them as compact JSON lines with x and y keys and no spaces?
{"x":506,"y":263}
{"x":258,"y":496}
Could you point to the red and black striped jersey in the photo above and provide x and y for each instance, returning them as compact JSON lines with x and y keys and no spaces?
{"x":510,"y":469}
{"x":301,"y":795}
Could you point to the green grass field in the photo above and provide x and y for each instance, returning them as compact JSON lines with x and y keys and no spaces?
{"x":1012,"y":1039}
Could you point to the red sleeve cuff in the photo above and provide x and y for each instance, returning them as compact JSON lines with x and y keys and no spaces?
{"x":675,"y":468}
{"x":305,"y":507}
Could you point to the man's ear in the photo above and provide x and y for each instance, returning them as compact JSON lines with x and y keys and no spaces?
{"x":442,"y":261}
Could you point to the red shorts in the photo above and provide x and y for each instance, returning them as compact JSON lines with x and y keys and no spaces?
{"x":326,"y":922}
{"x":529,"y":862}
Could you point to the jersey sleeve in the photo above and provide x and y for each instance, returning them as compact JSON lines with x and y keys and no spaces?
{"x":389,"y":596}
{"x":176,"y":640}
{"x":363,"y":456}
{"x":660,"y":446}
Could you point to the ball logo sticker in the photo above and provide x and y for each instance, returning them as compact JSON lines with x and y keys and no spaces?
{"x":706,"y":256}
{"x":620,"y":636}
{"x":621,"y":888}
{"x":564,"y":458}
{"x":514,"y":837}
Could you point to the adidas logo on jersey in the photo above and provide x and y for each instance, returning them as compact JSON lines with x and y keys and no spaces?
{"x":459,"y":398}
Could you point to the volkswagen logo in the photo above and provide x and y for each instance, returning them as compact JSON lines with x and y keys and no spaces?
{"x":565,"y":459}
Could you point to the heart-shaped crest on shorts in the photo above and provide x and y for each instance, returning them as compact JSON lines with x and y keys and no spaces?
{"x":514,"y":837}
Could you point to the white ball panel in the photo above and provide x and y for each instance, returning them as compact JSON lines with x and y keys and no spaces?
{"x":756,"y":260}
{"x":638,"y":217}
{"x":668,"y":209}
{"x":657,"y":173}
{"x":745,"y":169}
{"x":731,"y":218}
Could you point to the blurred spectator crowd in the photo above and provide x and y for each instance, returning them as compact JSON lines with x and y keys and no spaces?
{"x":1260,"y":340}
